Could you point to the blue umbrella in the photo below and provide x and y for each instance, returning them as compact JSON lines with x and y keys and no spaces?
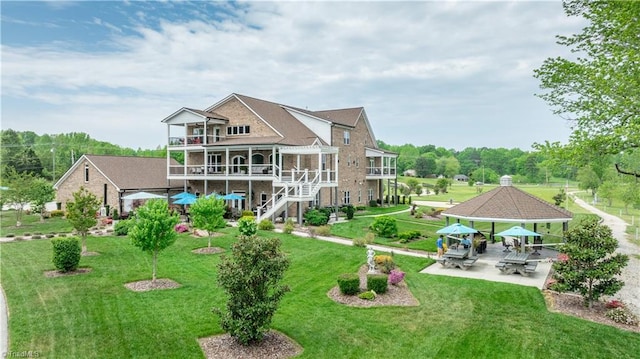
{"x":183,"y":195}
{"x":186,"y":200}
{"x":232,"y":196}
{"x":457,"y":228}
{"x":517,"y":231}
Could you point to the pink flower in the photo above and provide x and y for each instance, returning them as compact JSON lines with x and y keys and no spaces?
{"x":563,"y":257}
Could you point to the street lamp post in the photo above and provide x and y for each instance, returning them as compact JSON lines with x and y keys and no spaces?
{"x":53,"y":175}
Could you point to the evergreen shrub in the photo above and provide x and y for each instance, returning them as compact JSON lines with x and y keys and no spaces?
{"x":66,"y":253}
{"x":377,"y":283}
{"x":349,"y":283}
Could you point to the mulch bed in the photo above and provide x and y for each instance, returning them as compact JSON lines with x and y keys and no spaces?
{"x":274,"y":346}
{"x":396,"y":295}
{"x":56,"y":274}
{"x":208,"y":250}
{"x":147,"y":285}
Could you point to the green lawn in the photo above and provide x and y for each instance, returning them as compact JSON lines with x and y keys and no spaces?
{"x":94,"y":315}
{"x":31,"y":224}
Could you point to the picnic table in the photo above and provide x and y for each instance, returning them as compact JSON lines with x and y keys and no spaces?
{"x":515,"y":262}
{"x":457,"y":258}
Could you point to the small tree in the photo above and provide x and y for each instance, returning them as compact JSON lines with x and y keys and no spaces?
{"x":81,"y":213}
{"x":19,"y":191}
{"x":589,"y":265}
{"x":208,"y":214}
{"x":153,"y":229}
{"x":559,"y":197}
{"x":384,"y":226}
{"x":41,"y":192}
{"x":251,"y":280}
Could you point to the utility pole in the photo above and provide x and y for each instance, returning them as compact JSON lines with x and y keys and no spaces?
{"x":53,"y":175}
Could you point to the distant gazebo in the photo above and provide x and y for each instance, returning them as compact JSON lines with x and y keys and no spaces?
{"x":508,"y":204}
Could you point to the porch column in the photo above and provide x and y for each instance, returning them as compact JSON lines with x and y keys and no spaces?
{"x":226,"y":163}
{"x":250,"y":160}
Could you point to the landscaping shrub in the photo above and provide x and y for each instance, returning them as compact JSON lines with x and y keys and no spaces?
{"x":408,"y":236}
{"x":288,"y":226}
{"x":122,"y":227}
{"x":622,"y":315}
{"x":181,"y":227}
{"x":614,"y":304}
{"x":316,"y":217}
{"x":66,"y":253}
{"x":247,"y":226}
{"x":384,"y":226}
{"x":368,"y":295}
{"x":349,"y":211}
{"x":373,"y":203}
{"x":349,"y":283}
{"x":266,"y":225}
{"x":11,"y":235}
{"x":384,"y":262}
{"x":377,"y":283}
{"x":56,"y":213}
{"x":364,"y":241}
{"x":251,"y":280}
{"x":323,"y":230}
{"x":395,"y":276}
{"x":247,"y":214}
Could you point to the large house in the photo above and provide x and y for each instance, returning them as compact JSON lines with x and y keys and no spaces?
{"x":110,"y":178}
{"x":281,"y":159}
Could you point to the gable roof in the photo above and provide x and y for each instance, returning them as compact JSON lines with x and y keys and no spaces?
{"x":293,"y":131}
{"x":129,"y":172}
{"x":508,"y":204}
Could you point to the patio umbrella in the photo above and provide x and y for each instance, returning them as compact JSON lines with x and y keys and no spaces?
{"x":457,"y":228}
{"x":232,"y":196}
{"x":182,"y":195}
{"x":186,"y":200}
{"x":143,"y":195}
{"x":517,"y":231}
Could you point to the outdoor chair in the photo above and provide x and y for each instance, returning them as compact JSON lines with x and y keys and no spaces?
{"x":505,"y":245}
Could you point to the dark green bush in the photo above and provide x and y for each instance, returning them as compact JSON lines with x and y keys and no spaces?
{"x":349,"y":283}
{"x":66,"y":253}
{"x":377,"y":283}
{"x":316,"y":217}
{"x":385,"y":226}
{"x":349,"y":211}
{"x":373,"y":203}
{"x":266,"y":225}
{"x":123,"y":226}
{"x":408,"y":236}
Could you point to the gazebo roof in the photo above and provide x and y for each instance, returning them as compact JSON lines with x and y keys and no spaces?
{"x":508,"y":204}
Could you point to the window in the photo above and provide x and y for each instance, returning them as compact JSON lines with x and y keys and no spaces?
{"x":86,"y":173}
{"x":238,"y":164}
{"x":349,"y":161}
{"x":263,"y":199}
{"x":359,"y":196}
{"x":324,"y":161}
{"x":370,"y":194}
{"x":347,"y":137}
{"x":347,"y":197}
{"x":238,"y":130}
{"x":357,"y":162}
{"x":214,"y":162}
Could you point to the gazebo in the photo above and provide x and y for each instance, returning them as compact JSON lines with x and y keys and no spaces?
{"x":508,"y":204}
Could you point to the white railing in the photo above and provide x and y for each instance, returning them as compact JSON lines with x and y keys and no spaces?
{"x":300,"y":190}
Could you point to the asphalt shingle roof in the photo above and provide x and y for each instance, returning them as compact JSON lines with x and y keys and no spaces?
{"x":508,"y":204}
{"x":128,"y":172}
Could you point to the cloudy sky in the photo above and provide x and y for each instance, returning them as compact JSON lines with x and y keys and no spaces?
{"x":454,"y":74}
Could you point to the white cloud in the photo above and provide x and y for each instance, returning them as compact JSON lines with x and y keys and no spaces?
{"x":410,"y":64}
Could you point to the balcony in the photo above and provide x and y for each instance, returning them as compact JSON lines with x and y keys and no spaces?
{"x":219,"y":171}
{"x":381,"y":172}
{"x":194,"y":140}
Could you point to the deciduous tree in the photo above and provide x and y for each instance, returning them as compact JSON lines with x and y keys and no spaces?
{"x":208,"y":214}
{"x":41,"y":192}
{"x":588,"y":264}
{"x":81,"y":213}
{"x":153,"y":229}
{"x":599,"y":89}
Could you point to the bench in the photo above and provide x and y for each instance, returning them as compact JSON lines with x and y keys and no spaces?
{"x":441,"y":260}
{"x":502,"y":266}
{"x":530,"y":266}
{"x":467,"y":263}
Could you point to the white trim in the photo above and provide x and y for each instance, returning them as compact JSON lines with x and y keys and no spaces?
{"x":509,"y":220}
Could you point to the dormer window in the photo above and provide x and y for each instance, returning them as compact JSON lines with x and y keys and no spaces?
{"x":238,"y":130}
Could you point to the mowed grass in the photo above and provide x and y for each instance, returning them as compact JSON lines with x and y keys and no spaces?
{"x":31,"y":224}
{"x":94,"y":315}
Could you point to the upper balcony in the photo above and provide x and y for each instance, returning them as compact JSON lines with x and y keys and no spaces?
{"x":194,"y":140}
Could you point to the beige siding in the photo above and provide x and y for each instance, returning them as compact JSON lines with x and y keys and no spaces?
{"x":95,"y":185}
{"x":239,"y":115}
